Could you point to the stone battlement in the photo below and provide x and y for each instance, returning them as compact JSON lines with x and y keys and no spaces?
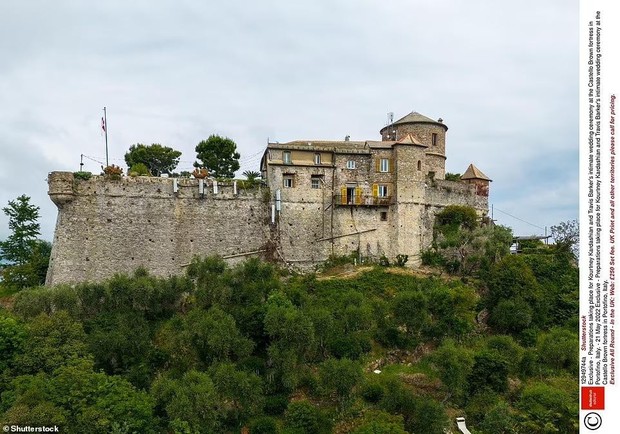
{"x":319,"y":198}
{"x":109,"y":226}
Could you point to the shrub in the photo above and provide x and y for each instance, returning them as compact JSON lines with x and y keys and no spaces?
{"x":401,"y":260}
{"x":275,"y":404}
{"x":83,"y":176}
{"x":457,"y":216}
{"x":372,"y":392}
{"x":139,"y":169}
{"x":200,"y":173}
{"x":113,"y":172}
{"x":264,"y":425}
{"x":305,"y":417}
{"x":432,"y":258}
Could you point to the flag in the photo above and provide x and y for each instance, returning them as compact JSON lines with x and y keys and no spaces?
{"x":103,"y":124}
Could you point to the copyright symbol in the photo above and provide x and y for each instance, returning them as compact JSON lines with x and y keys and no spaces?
{"x":5,"y":428}
{"x":593,"y":421}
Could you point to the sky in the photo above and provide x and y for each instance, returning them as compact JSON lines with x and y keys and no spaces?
{"x":502,"y":75}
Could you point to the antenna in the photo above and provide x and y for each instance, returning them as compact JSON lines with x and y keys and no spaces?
{"x":390,"y":121}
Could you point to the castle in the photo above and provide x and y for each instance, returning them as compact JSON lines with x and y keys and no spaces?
{"x":319,"y":198}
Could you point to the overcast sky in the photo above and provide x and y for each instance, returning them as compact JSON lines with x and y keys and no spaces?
{"x":502,"y":75}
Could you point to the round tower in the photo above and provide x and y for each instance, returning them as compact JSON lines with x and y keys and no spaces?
{"x":428,"y":132}
{"x":60,"y":186}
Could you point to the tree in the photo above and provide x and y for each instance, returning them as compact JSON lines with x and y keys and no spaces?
{"x":566,"y":236}
{"x":339,"y":377}
{"x":157,"y":158}
{"x":251,"y":175}
{"x":454,"y":364}
{"x":190,"y":402}
{"x":27,"y":257}
{"x":239,"y":393}
{"x":550,"y":407}
{"x":219,"y":155}
{"x":490,"y":371}
{"x":78,"y":399}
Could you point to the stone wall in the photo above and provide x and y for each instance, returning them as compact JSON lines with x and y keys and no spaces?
{"x":111,"y":226}
{"x":106,"y":226}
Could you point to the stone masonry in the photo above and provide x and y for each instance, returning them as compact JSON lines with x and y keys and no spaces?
{"x":322,"y":198}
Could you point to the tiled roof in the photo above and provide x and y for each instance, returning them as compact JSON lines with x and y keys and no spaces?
{"x":415,"y":117}
{"x":323,"y":145}
{"x":473,"y":172}
{"x":410,"y":139}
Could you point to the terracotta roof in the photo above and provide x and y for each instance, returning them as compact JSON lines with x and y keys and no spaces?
{"x":410,"y":139}
{"x":322,"y":145}
{"x":473,"y":172}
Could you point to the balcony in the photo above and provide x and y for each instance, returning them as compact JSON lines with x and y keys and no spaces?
{"x":354,"y":200}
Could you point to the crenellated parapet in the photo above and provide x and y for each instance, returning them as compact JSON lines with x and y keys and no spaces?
{"x":107,"y":226}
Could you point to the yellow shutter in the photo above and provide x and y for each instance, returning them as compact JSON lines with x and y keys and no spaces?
{"x":343,"y":195}
{"x":378,"y":165}
{"x":358,"y":195}
{"x":390,"y":162}
{"x":375,"y":190}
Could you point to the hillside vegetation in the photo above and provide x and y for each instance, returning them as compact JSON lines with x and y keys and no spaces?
{"x":254,"y":349}
{"x":250,"y":348}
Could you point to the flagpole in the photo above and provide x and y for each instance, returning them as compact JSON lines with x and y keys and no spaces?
{"x":105,"y":130}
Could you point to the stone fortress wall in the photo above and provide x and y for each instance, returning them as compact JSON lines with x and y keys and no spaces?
{"x":371,"y":198}
{"x":115,"y":226}
{"x":107,"y":226}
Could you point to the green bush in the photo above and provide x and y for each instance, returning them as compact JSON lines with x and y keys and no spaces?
{"x":432,"y":258}
{"x":384,"y":261}
{"x":372,"y":392}
{"x":264,"y":425}
{"x":457,"y":216}
{"x":306,"y":418}
{"x":84,"y":176}
{"x":275,"y":404}
{"x":139,"y":169}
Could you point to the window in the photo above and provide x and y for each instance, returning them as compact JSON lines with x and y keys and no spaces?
{"x":351,"y":164}
{"x":315,"y":181}
{"x":288,"y":181}
{"x":434,"y":139}
{"x":384,"y":165}
{"x":286,"y":157}
{"x":419,"y":165}
{"x":383,"y":190}
{"x":317,"y":158}
{"x":383,"y":216}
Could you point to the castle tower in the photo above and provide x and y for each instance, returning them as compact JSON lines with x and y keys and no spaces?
{"x":474,"y":176}
{"x":426,"y":131}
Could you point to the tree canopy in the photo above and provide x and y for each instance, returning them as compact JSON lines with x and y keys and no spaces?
{"x":26,"y":256}
{"x":219,"y":156}
{"x":157,"y":158}
{"x":227,"y":349}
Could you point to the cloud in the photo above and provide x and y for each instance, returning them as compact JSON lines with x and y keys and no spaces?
{"x":502,"y":76}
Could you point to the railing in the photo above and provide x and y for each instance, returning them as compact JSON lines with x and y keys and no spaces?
{"x":353,"y":200}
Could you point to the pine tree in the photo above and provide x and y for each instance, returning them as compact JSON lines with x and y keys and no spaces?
{"x":21,"y":252}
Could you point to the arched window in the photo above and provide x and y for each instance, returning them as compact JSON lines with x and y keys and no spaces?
{"x":419,"y":165}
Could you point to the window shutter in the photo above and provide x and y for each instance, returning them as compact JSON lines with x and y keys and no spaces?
{"x":358,"y":195}
{"x":390,"y":162}
{"x":375,"y":190}
{"x":378,"y":165}
{"x":343,"y":195}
